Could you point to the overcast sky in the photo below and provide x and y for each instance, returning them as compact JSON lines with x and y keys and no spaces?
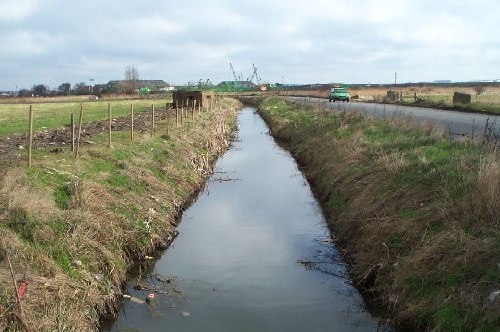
{"x":294,"y":41}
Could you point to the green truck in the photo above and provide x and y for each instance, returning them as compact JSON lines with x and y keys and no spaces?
{"x":338,"y":93}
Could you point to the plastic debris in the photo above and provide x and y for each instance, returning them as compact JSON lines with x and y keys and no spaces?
{"x":185,"y":314}
{"x":133,"y":299}
{"x":493,"y":295}
{"x":21,"y":290}
{"x":76,"y":263}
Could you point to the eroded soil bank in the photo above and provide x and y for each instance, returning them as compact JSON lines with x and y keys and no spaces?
{"x":416,"y":215}
{"x":71,"y":228}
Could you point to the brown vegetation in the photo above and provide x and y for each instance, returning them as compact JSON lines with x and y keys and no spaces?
{"x":72,"y":228}
{"x":426,"y":95}
{"x":417,"y":216}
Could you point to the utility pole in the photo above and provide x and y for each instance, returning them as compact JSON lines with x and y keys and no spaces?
{"x":395,"y":78}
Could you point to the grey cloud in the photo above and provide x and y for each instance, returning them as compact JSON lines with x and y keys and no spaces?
{"x":315,"y":41}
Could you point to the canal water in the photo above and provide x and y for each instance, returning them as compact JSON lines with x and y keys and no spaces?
{"x":253,"y":254}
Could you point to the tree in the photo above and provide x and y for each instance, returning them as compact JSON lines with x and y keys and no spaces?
{"x":81,"y":88}
{"x":24,"y":93}
{"x":40,"y":90}
{"x":131,"y":79}
{"x":64,"y":89}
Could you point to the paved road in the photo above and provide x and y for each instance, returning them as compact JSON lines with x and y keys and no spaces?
{"x":455,"y":123}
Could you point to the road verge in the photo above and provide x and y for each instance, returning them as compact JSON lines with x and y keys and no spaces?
{"x":416,"y":215}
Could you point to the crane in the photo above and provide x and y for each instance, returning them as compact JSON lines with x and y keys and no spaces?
{"x":254,"y":75}
{"x":232,"y":72}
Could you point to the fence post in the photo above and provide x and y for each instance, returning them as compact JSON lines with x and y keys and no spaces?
{"x":168,"y":117}
{"x":30,"y":143}
{"x":72,"y":132}
{"x":176,"y":115}
{"x":131,"y":122}
{"x":79,"y":132}
{"x":109,"y":125}
{"x":194,"y":106}
{"x":152,"y":119}
{"x":182,"y":113}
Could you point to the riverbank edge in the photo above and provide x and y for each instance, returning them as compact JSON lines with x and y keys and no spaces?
{"x":71,"y":239}
{"x":376,"y":273}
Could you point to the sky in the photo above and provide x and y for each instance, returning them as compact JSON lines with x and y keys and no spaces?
{"x":290,"y":41}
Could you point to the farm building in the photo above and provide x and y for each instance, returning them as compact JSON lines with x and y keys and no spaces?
{"x":203,"y":98}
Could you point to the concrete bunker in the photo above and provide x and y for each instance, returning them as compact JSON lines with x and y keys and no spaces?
{"x":203,"y":98}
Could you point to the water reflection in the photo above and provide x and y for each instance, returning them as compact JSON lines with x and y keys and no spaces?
{"x":253,"y":253}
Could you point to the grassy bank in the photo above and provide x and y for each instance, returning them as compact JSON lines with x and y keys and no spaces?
{"x":417,"y":216}
{"x":70,"y":228}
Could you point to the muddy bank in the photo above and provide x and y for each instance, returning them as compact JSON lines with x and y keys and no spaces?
{"x":416,"y":215}
{"x":71,"y":229}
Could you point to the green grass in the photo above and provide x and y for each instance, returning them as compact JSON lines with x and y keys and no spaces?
{"x":46,"y":116}
{"x":93,"y":209}
{"x":59,"y":255}
{"x":62,"y":196}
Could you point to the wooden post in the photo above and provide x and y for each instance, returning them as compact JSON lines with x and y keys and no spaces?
{"x":109,"y":125}
{"x":30,"y":143}
{"x":168,"y":117}
{"x":131,"y":122}
{"x":182,"y":112}
{"x":16,"y":290}
{"x":199,"y":106}
{"x":194,"y":106}
{"x":72,"y":132}
{"x":79,"y":132}
{"x":176,"y":115}
{"x":152,"y":120}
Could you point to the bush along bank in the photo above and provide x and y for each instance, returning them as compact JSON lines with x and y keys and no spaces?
{"x":70,"y":229}
{"x":417,"y":216}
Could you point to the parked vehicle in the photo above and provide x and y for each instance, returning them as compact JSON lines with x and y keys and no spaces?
{"x":338,"y":93}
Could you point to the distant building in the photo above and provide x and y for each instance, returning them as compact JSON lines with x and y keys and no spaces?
{"x":442,"y":81}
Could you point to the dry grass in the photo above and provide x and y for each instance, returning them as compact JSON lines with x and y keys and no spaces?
{"x":72,"y":228}
{"x":417,"y":216}
{"x":438,"y":96}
